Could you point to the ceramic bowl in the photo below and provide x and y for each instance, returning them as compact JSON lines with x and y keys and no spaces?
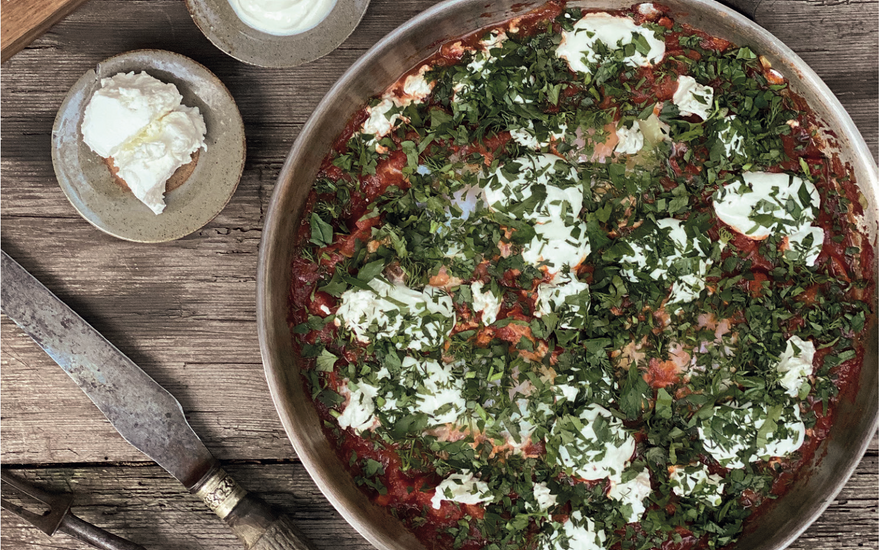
{"x":218,"y":21}
{"x":86,"y":180}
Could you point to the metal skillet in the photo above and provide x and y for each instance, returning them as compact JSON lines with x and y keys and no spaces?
{"x":856,"y":419}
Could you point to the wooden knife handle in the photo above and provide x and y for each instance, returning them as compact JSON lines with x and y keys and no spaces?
{"x":251,"y":519}
{"x":254,"y":519}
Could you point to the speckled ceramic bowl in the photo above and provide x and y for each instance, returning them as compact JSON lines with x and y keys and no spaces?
{"x":218,"y":21}
{"x":86,"y":180}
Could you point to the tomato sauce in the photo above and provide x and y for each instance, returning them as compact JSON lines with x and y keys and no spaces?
{"x":408,"y":492}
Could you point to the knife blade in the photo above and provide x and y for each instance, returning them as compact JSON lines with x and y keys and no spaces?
{"x":141,"y":410}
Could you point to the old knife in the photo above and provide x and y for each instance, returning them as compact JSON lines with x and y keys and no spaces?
{"x":141,"y":410}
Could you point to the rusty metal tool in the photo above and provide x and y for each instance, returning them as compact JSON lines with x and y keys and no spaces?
{"x":58,"y":518}
{"x":141,"y":410}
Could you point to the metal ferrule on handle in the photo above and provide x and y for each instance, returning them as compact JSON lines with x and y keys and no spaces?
{"x":220,"y":492}
{"x":251,"y":519}
{"x":141,"y":410}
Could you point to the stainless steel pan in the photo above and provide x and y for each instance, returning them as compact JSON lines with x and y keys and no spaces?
{"x":370,"y":75}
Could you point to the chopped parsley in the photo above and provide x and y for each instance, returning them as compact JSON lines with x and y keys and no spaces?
{"x":526,"y":304}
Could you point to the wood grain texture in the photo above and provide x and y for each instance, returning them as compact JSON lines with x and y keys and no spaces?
{"x":143,"y":504}
{"x":185,"y":310}
{"x":21,"y":21}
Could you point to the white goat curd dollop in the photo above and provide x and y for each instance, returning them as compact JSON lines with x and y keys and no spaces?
{"x":692,"y":98}
{"x":578,"y":46}
{"x":138,"y":121}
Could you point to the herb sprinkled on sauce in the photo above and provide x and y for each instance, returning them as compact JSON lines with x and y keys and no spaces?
{"x":583,"y":280}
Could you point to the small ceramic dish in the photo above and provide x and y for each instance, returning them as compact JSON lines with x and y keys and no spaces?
{"x":219,"y":22}
{"x":89,"y":185}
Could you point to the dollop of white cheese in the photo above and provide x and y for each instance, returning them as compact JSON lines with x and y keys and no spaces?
{"x":485,"y":302}
{"x":578,"y":533}
{"x":795,"y":364}
{"x":554,"y":298}
{"x":416,"y":88}
{"x":125,"y":104}
{"x":695,"y":481}
{"x":419,"y":320}
{"x":587,"y":455}
{"x":515,"y":182}
{"x":379,"y":123}
{"x":693,"y":98}
{"x":147,"y":161}
{"x":282,"y":17}
{"x":735,"y":436}
{"x":764,"y":193}
{"x":544,"y":498}
{"x":358,"y":412}
{"x":762,"y":203}
{"x":441,"y":393}
{"x":138,"y":121}
{"x":629,"y":140}
{"x":463,"y":488}
{"x":560,"y":239}
{"x":632,"y":493}
{"x":689,"y":260}
{"x":578,"y":46}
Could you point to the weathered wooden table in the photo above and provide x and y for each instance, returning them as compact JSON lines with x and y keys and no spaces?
{"x":185,"y":310}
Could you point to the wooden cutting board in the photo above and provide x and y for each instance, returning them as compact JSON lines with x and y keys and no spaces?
{"x":21,"y":21}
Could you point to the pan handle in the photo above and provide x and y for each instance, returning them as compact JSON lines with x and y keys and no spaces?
{"x":252,"y":520}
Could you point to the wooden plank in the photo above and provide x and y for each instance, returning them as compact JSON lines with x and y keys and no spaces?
{"x":143,"y":504}
{"x":21,"y":21}
{"x":203,"y":348}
